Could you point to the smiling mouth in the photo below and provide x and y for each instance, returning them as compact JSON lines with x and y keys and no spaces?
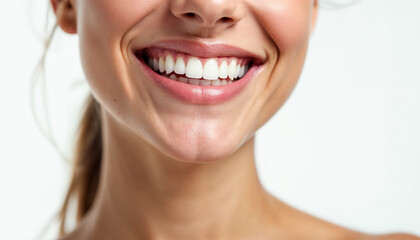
{"x":195,"y":70}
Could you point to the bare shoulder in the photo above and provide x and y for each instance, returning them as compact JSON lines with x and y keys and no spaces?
{"x":306,"y":226}
{"x":393,"y":236}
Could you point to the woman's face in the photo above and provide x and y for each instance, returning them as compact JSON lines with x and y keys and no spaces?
{"x":119,"y":38}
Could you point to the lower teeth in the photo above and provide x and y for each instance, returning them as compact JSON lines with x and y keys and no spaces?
{"x":194,"y":81}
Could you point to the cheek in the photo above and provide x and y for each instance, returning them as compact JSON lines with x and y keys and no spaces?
{"x":288,"y":24}
{"x":102,"y":27}
{"x":112,"y":16}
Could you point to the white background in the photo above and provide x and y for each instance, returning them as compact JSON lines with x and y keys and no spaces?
{"x":345,"y":147}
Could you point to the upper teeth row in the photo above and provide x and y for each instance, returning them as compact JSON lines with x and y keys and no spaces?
{"x":194,"y":68}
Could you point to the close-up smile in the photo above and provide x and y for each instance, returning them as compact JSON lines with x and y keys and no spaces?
{"x":180,"y":94}
{"x":194,"y":70}
{"x":199,"y":73}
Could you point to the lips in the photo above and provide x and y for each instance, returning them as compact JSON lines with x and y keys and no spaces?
{"x":198,"y":73}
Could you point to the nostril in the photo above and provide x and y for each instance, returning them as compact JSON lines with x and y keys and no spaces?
{"x":190,"y":15}
{"x":225,"y":19}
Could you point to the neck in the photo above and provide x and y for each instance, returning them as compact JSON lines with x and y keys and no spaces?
{"x":144,"y":194}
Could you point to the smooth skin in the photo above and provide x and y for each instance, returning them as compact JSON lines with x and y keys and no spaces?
{"x":172,"y":170}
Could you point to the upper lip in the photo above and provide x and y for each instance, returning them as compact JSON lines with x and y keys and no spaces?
{"x":205,"y":50}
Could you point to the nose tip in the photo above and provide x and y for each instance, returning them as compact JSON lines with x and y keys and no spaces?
{"x":206,"y":13}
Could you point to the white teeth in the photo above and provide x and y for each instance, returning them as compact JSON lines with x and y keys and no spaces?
{"x":242,"y":71}
{"x":211,"y":70}
{"x":232,"y":69}
{"x":223,"y":70}
{"x":215,"y":82}
{"x":238,"y":68}
{"x":173,"y":77}
{"x":161,"y":65}
{"x":169,"y":64}
{"x":193,"y":71}
{"x":182,"y":79}
{"x":205,"y":82}
{"x":180,"y":66}
{"x":155,"y":64}
{"x":194,"y":81}
{"x":194,"y":68}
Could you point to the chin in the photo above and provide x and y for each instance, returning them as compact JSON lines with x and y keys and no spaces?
{"x":205,"y":152}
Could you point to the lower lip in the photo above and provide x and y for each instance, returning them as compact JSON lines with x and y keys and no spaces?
{"x":196,"y":94}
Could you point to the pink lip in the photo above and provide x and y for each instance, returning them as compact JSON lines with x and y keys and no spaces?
{"x":197,"y":94}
